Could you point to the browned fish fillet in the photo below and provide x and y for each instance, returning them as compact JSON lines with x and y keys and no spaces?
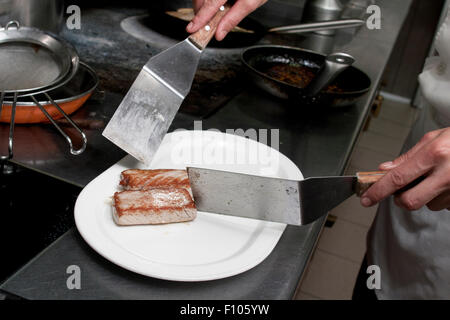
{"x":135,"y":179}
{"x":153,"y":206}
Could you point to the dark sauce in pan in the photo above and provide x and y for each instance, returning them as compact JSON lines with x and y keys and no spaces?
{"x":296,"y":75}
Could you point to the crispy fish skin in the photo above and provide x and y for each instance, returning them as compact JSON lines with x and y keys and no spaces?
{"x":153,"y":206}
{"x":136,"y":179}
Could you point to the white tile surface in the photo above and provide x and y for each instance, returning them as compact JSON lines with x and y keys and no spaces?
{"x":330,"y":277}
{"x":397,"y":112}
{"x":344,"y":239}
{"x":352,"y":170}
{"x":367,"y":159}
{"x":351,"y":210}
{"x":380,"y":143}
{"x":388,"y":128}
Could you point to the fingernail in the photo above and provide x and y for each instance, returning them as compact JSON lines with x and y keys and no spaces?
{"x":388,"y":164}
{"x":366,"y":202}
{"x":190,"y":26}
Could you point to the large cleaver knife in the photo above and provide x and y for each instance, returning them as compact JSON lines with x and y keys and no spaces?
{"x":142,"y":119}
{"x":273,"y":199}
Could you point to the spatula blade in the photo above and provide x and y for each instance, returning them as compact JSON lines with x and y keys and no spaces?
{"x":271,"y":199}
{"x":145,"y":114}
{"x":320,"y":195}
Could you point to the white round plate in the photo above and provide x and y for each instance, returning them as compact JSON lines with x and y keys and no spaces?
{"x":212,"y":246}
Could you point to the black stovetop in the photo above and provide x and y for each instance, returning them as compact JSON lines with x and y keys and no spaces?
{"x":35,"y":210}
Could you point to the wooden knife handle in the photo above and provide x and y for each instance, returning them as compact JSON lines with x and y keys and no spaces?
{"x":202,"y":37}
{"x":366,"y":180}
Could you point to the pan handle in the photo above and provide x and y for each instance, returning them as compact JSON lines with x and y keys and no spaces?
{"x":202,"y":37}
{"x":13,"y":22}
{"x":334,"y":64}
{"x":321,"y":25}
{"x":11,"y":126}
{"x":68,"y":139}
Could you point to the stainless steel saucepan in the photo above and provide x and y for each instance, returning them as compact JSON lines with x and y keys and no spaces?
{"x":45,"y":15}
{"x":32,"y":62}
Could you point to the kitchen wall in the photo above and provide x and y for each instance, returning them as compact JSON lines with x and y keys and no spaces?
{"x":412,"y":48}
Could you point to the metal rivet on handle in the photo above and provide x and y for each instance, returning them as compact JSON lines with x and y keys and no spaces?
{"x":207,"y":28}
{"x":222,"y":8}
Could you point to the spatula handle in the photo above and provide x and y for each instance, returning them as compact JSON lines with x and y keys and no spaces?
{"x":202,"y":37}
{"x":366,"y":180}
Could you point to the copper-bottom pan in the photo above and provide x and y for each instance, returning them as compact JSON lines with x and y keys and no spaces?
{"x":70,"y":98}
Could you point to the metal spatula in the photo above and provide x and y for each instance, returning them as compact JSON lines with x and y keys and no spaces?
{"x":273,"y":199}
{"x":142,"y":119}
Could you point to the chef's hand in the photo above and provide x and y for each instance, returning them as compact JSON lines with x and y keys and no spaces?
{"x":429,"y":158}
{"x":206,"y":9}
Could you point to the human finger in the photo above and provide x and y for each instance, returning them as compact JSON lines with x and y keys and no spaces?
{"x":238,"y":11}
{"x":397,"y":178}
{"x":204,"y":14}
{"x":421,"y":194}
{"x":427,"y":138}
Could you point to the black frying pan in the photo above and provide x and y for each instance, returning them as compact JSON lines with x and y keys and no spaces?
{"x":285,"y":72}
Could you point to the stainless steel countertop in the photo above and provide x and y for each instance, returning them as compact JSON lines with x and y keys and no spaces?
{"x":319,"y":142}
